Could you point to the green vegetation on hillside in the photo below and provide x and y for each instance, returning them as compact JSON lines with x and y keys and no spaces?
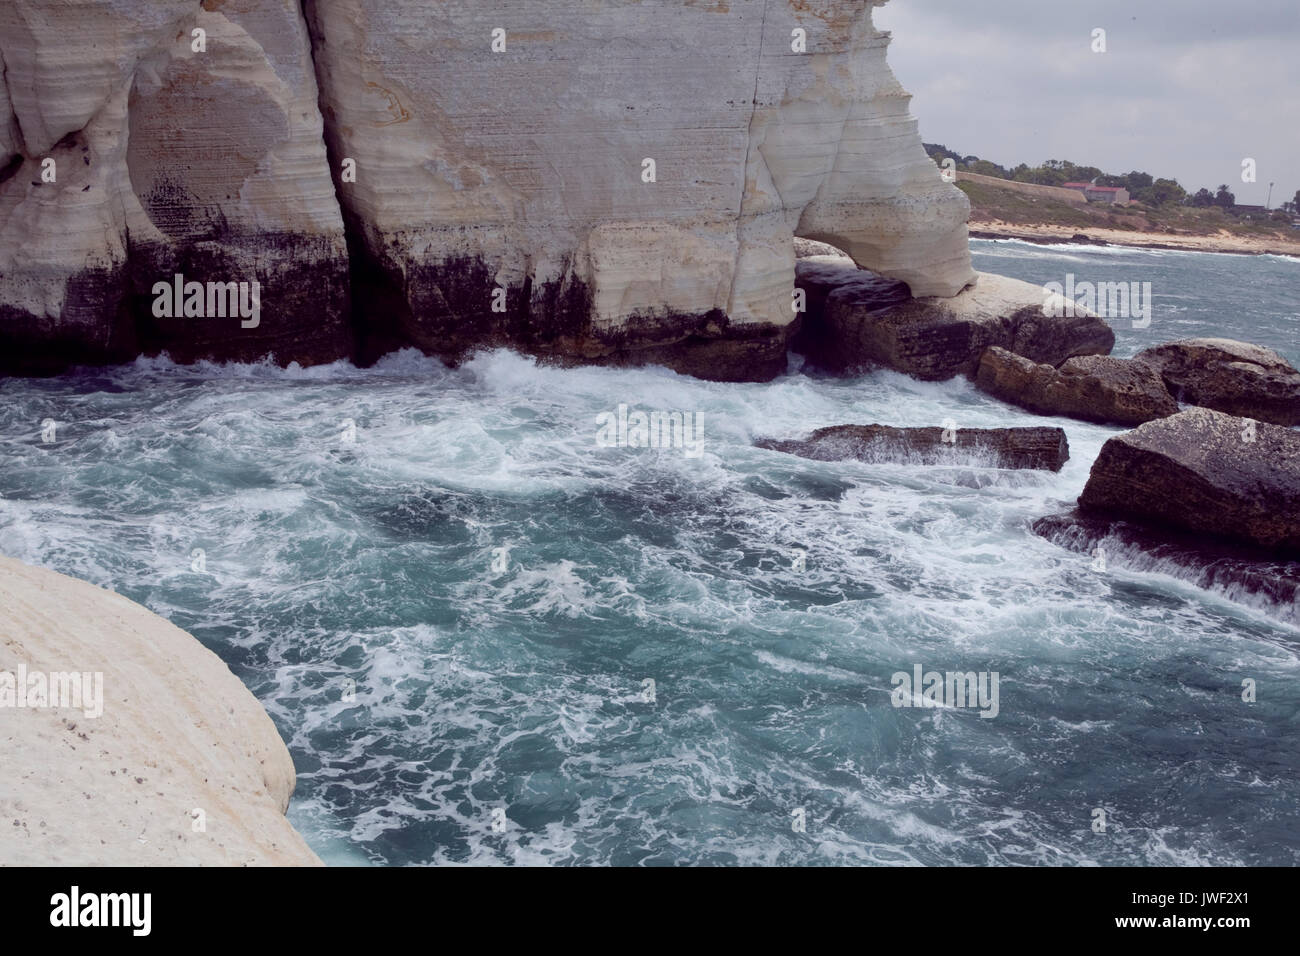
{"x":1151,"y":192}
{"x":1157,"y":205}
{"x":991,"y":203}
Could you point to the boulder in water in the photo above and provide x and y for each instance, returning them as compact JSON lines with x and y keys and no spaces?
{"x":1093,"y":388}
{"x":1203,"y":471}
{"x":1229,"y":376}
{"x":1045,"y":448}
{"x":854,"y":318}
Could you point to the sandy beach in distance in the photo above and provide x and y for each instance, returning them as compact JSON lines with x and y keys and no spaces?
{"x":1222,"y":242}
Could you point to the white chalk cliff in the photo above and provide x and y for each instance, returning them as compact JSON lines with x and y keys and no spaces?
{"x":173,"y":763}
{"x":457,"y":169}
{"x":172,"y":151}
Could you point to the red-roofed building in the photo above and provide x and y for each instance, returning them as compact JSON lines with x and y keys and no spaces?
{"x":1115,"y":195}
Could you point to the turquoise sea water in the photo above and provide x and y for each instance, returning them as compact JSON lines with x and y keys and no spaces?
{"x":356,"y":587}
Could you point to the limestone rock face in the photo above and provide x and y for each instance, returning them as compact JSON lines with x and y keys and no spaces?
{"x":857,"y":319}
{"x":1093,"y":388}
{"x":525,"y":170}
{"x":1203,"y":471}
{"x":208,"y":162}
{"x":226,"y":155}
{"x":1230,"y":376}
{"x":615,"y":182}
{"x":1045,"y":448}
{"x":176,"y":733}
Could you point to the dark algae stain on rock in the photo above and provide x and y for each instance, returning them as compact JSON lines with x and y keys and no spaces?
{"x":302,"y":286}
{"x":454,"y":307}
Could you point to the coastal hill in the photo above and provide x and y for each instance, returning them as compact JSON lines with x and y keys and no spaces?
{"x":1160,"y":216}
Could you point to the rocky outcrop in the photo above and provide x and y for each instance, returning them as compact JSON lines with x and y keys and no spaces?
{"x":508,"y":197}
{"x":857,"y":319}
{"x":614,"y":183}
{"x":618,"y":183}
{"x":162,"y":757}
{"x":1203,"y":471}
{"x":1092,"y":388}
{"x":1044,"y":448}
{"x":138,"y":149}
{"x":1229,"y":376}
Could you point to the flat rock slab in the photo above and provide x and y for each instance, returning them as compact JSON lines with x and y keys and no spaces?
{"x":1229,"y":376}
{"x":1042,"y":448}
{"x":1204,"y":471}
{"x":1092,"y":388}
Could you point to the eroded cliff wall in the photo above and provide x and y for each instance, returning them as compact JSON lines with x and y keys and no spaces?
{"x":452,"y":174}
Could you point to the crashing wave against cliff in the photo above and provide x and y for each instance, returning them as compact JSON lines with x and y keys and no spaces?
{"x":596,"y":183}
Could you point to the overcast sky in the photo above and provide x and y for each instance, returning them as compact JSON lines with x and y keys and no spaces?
{"x":1187,"y":88}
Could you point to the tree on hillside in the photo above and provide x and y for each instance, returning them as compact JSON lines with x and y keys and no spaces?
{"x":984,"y":168}
{"x":938,"y":152}
{"x":1160,"y":192}
{"x":1295,"y":203}
{"x":1141,"y":186}
{"x":1048,"y":174}
{"x":1135,"y":182}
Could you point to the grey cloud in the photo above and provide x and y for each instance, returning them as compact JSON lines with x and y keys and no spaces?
{"x":1187,"y":88}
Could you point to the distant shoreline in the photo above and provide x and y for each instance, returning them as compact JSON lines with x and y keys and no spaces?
{"x":1053,"y":235}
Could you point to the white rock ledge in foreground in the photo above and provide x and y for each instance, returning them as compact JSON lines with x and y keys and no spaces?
{"x":178,"y":733}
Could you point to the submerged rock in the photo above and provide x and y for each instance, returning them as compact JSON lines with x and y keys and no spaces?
{"x":1229,"y":376}
{"x":1203,"y":471}
{"x":855,"y":318}
{"x":1093,"y":388}
{"x":1043,"y":448}
{"x":1236,"y":571}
